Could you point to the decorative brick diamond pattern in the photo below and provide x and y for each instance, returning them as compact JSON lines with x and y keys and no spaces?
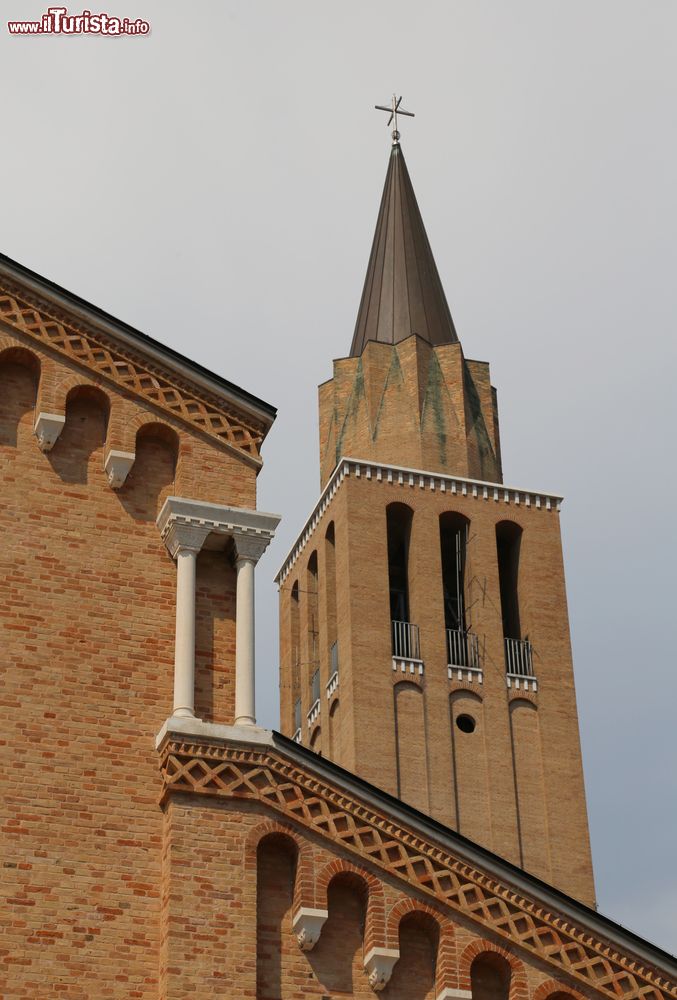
{"x":102,"y":356}
{"x":302,"y":797}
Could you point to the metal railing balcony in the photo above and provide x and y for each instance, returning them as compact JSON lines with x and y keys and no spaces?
{"x":406,"y":644}
{"x":463,"y":649}
{"x":519,"y":657}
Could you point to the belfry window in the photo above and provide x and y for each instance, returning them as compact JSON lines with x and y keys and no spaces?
{"x":405,"y":637}
{"x":295,"y":655}
{"x":399,"y":531}
{"x":453,"y":544}
{"x":508,"y":540}
{"x":312,"y":605}
{"x":518,"y":650}
{"x":462,"y":645}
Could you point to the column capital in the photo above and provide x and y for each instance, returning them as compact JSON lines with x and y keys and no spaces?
{"x":249,"y":545}
{"x":180,"y":537}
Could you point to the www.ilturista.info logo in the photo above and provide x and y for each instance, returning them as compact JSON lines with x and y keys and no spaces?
{"x":57,"y":21}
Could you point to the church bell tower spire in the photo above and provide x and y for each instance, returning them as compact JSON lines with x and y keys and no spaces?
{"x":403,"y":293}
{"x":424,"y":636}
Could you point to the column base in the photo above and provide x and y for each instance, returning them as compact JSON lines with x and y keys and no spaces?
{"x":244,"y":720}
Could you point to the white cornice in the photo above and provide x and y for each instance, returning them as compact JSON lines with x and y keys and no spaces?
{"x":400,"y":476}
{"x":217,"y":519}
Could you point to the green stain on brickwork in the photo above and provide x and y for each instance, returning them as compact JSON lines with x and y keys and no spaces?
{"x":486,"y":452}
{"x":356,"y":394}
{"x":393,"y":378}
{"x":434,"y":401}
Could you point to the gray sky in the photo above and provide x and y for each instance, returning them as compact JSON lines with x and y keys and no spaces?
{"x":216,"y":184}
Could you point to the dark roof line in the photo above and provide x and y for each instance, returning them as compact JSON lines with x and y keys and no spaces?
{"x":169,"y":354}
{"x":494,"y":860}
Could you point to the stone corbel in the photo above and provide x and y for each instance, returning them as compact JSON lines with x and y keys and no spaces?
{"x":47,"y":428}
{"x":449,"y":994}
{"x":307,"y":925}
{"x":379,"y":964}
{"x":117,"y":466}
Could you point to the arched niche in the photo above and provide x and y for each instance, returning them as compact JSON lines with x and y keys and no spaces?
{"x":490,"y":976}
{"x":337,"y":958}
{"x":153,"y":474}
{"x":78,"y":455}
{"x":19,"y":379}
{"x":414,"y":974}
{"x":276,"y":862}
{"x":410,"y":736}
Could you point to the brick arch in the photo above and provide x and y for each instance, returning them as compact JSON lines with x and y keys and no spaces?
{"x":470,"y":693}
{"x":445,"y":965}
{"x":521,"y":698}
{"x":551,"y":987}
{"x":12,"y":352}
{"x":481,"y":946}
{"x":374,"y":931}
{"x":162,"y":430}
{"x":62,"y":385}
{"x":132,"y":419}
{"x":508,"y":516}
{"x":402,"y":909}
{"x":17,"y":354}
{"x":304,"y":883}
{"x":529,"y":697}
{"x":73,"y":386}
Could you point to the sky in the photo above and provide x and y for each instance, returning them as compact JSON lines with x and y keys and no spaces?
{"x":215,"y":183}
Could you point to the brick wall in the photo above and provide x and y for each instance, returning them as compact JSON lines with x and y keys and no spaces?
{"x":87,"y":616}
{"x":239,"y":876}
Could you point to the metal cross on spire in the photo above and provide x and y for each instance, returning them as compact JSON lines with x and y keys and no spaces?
{"x":394,"y":110}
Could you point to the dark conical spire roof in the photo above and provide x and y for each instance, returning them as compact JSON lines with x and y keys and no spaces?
{"x":402,"y":292}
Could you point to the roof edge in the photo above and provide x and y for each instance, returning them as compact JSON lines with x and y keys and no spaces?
{"x":192,"y":370}
{"x":256,"y":737}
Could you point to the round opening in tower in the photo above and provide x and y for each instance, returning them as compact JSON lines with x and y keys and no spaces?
{"x":466,"y":723}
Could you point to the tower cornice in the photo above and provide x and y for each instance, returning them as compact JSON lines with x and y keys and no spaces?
{"x":400,"y":476}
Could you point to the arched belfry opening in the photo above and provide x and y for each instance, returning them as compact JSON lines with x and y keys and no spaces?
{"x":518,"y":652}
{"x":405,"y":639}
{"x":399,"y":518}
{"x":508,"y":542}
{"x":462,"y":646}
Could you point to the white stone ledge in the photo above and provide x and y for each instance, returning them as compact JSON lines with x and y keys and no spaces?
{"x":212,"y":731}
{"x":406,"y":665}
{"x":469,"y":674}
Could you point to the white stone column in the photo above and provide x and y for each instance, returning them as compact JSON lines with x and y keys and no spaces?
{"x":184,"y":526}
{"x":248,"y":551}
{"x":184,"y":543}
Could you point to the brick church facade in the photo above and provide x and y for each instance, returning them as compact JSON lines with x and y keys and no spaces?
{"x":418,"y":827}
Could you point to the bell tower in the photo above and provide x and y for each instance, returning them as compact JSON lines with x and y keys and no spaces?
{"x":424,"y":634}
